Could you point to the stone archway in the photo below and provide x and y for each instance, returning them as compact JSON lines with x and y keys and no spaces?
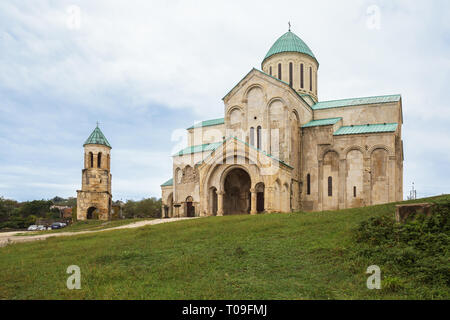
{"x":92,"y":213}
{"x":237,"y":198}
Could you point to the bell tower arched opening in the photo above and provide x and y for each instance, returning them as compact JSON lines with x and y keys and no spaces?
{"x":92,"y":213}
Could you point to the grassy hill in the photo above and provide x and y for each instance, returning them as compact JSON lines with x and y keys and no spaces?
{"x":269,"y":256}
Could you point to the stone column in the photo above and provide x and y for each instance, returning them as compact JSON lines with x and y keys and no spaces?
{"x":94,"y":165}
{"x":391,"y":178}
{"x":320,"y":184}
{"x":268,"y":199}
{"x":367,"y":182}
{"x":253,"y":201}
{"x":220,"y":195}
{"x":342,"y":174}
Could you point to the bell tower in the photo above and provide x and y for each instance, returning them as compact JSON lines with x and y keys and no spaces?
{"x":94,"y":198}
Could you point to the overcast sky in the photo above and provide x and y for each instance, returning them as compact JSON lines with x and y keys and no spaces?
{"x":146,"y":70}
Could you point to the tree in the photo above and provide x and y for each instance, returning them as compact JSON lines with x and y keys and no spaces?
{"x":8,"y":208}
{"x":57,"y":199}
{"x":38,"y":208}
{"x":129,"y":209}
{"x":146,"y":208}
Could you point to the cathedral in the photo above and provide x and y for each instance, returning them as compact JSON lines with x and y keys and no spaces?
{"x":279,"y":148}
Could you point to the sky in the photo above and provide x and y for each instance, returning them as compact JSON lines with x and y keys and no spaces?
{"x":147,"y":70}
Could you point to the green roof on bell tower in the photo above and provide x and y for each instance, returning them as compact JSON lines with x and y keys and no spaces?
{"x":97,"y":137}
{"x":289,"y":42}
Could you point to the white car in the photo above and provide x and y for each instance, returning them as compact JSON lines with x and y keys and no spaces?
{"x":33,"y":227}
{"x":41,"y":228}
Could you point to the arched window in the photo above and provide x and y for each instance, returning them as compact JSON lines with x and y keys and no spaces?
{"x":302,"y":84}
{"x":310,"y":78}
{"x":330,"y":186}
{"x":252,"y":136}
{"x":99,"y":160}
{"x":270,"y":70}
{"x":290,"y":74}
{"x":258,"y":137}
{"x":279,"y":71}
{"x":91,"y":156}
{"x":308,"y":184}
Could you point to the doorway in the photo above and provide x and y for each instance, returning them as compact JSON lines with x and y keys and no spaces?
{"x":92,"y":213}
{"x":237,"y":192}
{"x":190,"y":209}
{"x":260,"y":197}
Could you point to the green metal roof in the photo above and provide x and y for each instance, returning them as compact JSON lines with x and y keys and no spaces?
{"x":321,"y":122}
{"x":168,"y":183}
{"x":97,"y":137}
{"x":289,"y":42}
{"x":356,"y":101}
{"x":207,"y":123}
{"x":199,"y":148}
{"x":366,"y":128}
{"x":305,"y":95}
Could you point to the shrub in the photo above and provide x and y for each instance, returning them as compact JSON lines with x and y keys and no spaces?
{"x":418,"y":248}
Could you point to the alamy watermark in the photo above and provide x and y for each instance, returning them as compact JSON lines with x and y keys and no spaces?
{"x":373,"y":21}
{"x":73,"y":20}
{"x":73,"y":281}
{"x":374,"y":281}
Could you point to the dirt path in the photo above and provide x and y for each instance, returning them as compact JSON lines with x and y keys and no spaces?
{"x":10,"y":237}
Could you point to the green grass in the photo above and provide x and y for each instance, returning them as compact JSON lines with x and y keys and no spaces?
{"x":88,"y":225}
{"x":268,"y":256}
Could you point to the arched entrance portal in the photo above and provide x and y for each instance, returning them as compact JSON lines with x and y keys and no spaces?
{"x":92,"y":213}
{"x":237,"y":192}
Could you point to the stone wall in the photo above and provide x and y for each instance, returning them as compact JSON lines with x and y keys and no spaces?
{"x":101,"y":201}
{"x":365,"y":169}
{"x":167,"y":202}
{"x":209,"y":134}
{"x":96,"y":184}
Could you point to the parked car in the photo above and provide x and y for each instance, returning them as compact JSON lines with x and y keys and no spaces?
{"x":41,"y":228}
{"x":56,"y":225}
{"x":33,"y":227}
{"x":63,"y":224}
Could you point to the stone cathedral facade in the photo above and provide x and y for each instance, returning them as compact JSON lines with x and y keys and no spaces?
{"x":280,"y":149}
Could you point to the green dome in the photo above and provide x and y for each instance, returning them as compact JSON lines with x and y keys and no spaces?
{"x":289,"y":42}
{"x":97,"y":137}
